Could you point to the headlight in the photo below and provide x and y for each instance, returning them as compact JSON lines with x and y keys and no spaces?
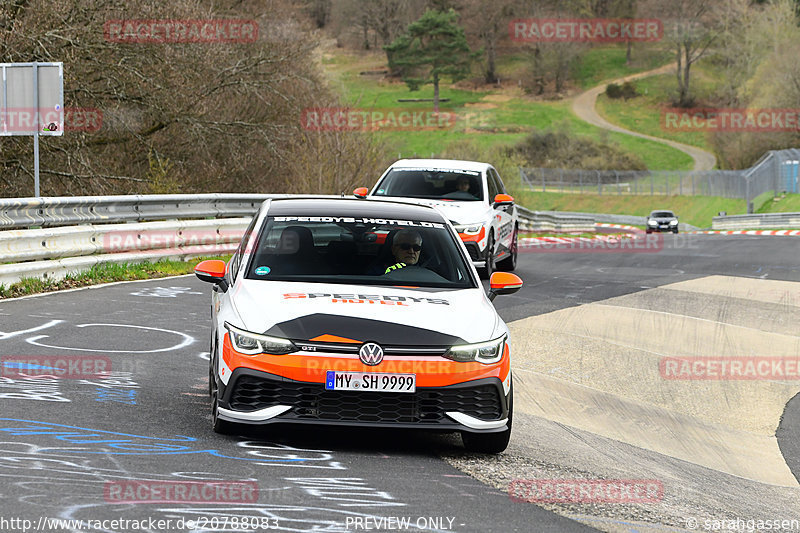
{"x":469,"y":229}
{"x":253,"y":344}
{"x":673,"y":222}
{"x":482,"y":352}
{"x":652,"y":223}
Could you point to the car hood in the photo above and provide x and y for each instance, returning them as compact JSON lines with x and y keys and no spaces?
{"x":461,"y":212}
{"x":388,"y":315}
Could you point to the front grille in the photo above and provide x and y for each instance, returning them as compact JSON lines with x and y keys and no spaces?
{"x":312,"y":402}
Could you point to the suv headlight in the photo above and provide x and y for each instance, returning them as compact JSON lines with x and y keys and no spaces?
{"x":673,"y":222}
{"x":482,"y":352}
{"x":469,"y":229}
{"x":652,"y":223}
{"x":250,"y":343}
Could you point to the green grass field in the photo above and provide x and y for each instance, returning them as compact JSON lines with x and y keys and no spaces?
{"x":643,"y":114}
{"x":605,"y":63}
{"x":487,"y":118}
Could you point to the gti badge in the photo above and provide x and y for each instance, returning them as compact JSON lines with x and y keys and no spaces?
{"x":370,"y":354}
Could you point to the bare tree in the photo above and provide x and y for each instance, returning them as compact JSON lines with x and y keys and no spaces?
{"x":690,"y":28}
{"x":489,"y":23}
{"x":226,"y":116}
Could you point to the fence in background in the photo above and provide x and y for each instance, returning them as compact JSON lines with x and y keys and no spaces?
{"x":776,"y":171}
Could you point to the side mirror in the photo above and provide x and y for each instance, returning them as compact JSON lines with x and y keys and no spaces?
{"x":503,"y":199}
{"x":503,"y":283}
{"x":212,"y":271}
{"x":361,"y":192}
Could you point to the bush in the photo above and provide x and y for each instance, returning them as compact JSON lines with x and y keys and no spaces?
{"x":626,"y":91}
{"x":560,"y":149}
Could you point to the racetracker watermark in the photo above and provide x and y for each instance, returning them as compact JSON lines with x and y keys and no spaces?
{"x":640,"y":243}
{"x":207,"y":241}
{"x":586,"y":490}
{"x":158,"y":491}
{"x":30,"y":120}
{"x":351,"y":119}
{"x":169,"y":31}
{"x":729,"y":368}
{"x":585,"y":30}
{"x":731,"y":120}
{"x":58,"y":366}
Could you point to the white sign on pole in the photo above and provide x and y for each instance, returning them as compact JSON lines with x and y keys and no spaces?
{"x":32,"y":103}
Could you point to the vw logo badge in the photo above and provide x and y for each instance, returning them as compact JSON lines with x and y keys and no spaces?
{"x":370,"y":354}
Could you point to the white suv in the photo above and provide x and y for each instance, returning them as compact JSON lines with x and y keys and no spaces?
{"x":470,"y":194}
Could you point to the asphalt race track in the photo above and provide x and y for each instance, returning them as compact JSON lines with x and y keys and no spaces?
{"x":591,"y":402}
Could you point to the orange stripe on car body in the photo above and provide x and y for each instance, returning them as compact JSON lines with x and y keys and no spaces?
{"x":312,"y":369}
{"x":333,"y":338}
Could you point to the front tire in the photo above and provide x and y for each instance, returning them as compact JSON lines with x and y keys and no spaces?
{"x":487,"y":270}
{"x":510,"y":263}
{"x":223,"y":427}
{"x":490,"y":442}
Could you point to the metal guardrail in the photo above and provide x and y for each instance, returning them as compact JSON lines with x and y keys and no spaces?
{"x":66,"y":211}
{"x":765,"y":221}
{"x":551,"y":220}
{"x":72,"y":234}
{"x":54,"y":252}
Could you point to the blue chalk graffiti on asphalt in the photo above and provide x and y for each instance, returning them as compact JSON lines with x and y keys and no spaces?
{"x":114,"y":443}
{"x":120,"y":396}
{"x":26,"y":366}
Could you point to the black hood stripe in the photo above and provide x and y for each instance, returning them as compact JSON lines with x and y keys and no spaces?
{"x":362,"y":329}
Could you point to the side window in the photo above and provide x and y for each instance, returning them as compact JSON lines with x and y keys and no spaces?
{"x":500,"y":187}
{"x":492,"y":185}
{"x":236,"y":260}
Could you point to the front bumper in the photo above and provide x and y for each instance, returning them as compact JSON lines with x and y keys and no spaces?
{"x":255,"y":397}
{"x":661,"y":228}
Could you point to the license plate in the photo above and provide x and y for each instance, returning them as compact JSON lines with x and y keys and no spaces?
{"x":370,"y":381}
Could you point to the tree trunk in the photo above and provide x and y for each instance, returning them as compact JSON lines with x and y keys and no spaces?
{"x":628,"y":54}
{"x":491,"y":60}
{"x":686,"y":99}
{"x":436,"y":93}
{"x":678,"y":71}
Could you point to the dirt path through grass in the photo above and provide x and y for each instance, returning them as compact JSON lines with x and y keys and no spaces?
{"x":584,"y":107}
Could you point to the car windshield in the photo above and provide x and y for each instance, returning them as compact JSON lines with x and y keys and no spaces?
{"x":433,"y":183}
{"x":662,"y":214}
{"x":362,"y":251}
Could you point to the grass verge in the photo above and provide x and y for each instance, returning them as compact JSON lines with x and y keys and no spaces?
{"x":788,"y":203}
{"x":104,"y":273}
{"x":695,"y":210}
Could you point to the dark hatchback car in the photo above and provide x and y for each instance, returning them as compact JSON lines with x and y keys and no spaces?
{"x":662,"y":221}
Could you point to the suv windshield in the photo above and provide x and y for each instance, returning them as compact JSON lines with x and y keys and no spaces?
{"x":433,"y":183}
{"x":662,"y":214}
{"x":358,"y":251}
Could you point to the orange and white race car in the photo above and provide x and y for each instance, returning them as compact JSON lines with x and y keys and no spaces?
{"x":472,"y":197}
{"x":358,"y":313}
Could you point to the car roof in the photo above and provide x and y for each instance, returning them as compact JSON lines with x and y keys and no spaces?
{"x":661,"y":211}
{"x":348,"y":207}
{"x":451,"y":164}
